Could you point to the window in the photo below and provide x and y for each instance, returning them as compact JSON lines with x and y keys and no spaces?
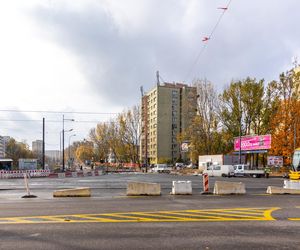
{"x":217,"y":167}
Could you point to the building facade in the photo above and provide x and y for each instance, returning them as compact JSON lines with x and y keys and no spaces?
{"x":37,"y":147}
{"x":166,"y":111}
{"x":3,"y":142}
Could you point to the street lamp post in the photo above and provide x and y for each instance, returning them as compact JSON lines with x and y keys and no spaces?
{"x":240,"y":126}
{"x":63,"y":141}
{"x":70,"y":149}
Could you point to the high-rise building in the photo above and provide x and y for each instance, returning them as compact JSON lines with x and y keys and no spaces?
{"x":37,"y":147}
{"x":3,"y":143}
{"x":166,"y":111}
{"x":53,"y":155}
{"x":1,"y":147}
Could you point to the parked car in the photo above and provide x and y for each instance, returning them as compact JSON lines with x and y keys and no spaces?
{"x":193,"y":166}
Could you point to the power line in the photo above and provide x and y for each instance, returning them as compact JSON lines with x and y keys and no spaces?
{"x":206,"y":39}
{"x":54,"y":121}
{"x":58,"y":112}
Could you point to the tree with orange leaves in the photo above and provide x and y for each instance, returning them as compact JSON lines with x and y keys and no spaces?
{"x":285,"y":123}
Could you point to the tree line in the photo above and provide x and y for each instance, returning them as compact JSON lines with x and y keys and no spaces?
{"x":247,"y":106}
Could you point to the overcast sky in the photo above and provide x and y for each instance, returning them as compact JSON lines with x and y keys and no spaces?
{"x":93,"y":55}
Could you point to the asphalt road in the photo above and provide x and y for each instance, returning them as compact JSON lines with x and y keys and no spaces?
{"x":111,"y":220}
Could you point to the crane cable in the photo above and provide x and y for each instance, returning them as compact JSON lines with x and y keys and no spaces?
{"x":208,"y":38}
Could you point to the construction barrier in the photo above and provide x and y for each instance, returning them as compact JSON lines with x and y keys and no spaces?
{"x":61,"y":175}
{"x":143,"y":188}
{"x":292,"y":184}
{"x":225,"y":187}
{"x":20,"y":173}
{"x":205,"y":183}
{"x":74,"y":174}
{"x":75,"y":192}
{"x":280,"y":190}
{"x":182,"y":187}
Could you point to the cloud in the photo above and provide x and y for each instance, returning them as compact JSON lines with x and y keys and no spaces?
{"x":94,"y":55}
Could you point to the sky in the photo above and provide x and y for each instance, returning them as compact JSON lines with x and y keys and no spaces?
{"x":92,"y":56}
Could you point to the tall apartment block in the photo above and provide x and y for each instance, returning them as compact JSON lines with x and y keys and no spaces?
{"x":3,"y":142}
{"x":37,"y":147}
{"x":166,"y":111}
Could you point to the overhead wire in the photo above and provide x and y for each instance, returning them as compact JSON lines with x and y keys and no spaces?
{"x":58,"y":121}
{"x":59,"y":112}
{"x":206,"y":39}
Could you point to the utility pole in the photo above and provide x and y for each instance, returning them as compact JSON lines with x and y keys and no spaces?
{"x":63,"y":145}
{"x":43,"y":150}
{"x":145,"y":126}
{"x":157,"y":78}
{"x":240,"y":126}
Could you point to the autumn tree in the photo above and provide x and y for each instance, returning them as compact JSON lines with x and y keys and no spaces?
{"x":203,"y":133}
{"x":285,"y":122}
{"x":16,"y":150}
{"x":119,"y":136}
{"x":85,"y":152}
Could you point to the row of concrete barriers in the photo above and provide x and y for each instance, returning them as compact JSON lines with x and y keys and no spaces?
{"x":178,"y":188}
{"x":77,"y":174}
{"x":183,"y":188}
{"x":220,"y":188}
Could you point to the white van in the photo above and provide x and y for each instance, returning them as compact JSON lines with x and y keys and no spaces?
{"x":161,"y":168}
{"x":219,"y":170}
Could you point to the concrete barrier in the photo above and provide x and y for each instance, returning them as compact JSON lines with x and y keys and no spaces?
{"x":74,"y":174}
{"x":292,"y":184}
{"x":225,"y":187}
{"x":182,"y":187}
{"x":75,"y":192}
{"x":143,"y":188}
{"x":61,"y":175}
{"x":280,"y":190}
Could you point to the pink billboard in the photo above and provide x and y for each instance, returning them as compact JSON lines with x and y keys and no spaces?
{"x":256,"y":142}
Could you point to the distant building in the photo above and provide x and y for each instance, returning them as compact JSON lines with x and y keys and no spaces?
{"x":167,"y":110}
{"x":37,"y":147}
{"x":53,"y":155}
{"x":3,"y":143}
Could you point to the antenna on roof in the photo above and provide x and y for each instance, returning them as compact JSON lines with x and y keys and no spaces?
{"x":157,"y":78}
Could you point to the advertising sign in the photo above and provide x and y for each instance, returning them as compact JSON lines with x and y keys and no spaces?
{"x":256,"y":142}
{"x":275,"y":160}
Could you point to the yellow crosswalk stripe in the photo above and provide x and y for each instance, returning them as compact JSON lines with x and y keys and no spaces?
{"x":228,"y":214}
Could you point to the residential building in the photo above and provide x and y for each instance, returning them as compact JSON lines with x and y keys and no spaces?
{"x":53,"y":155}
{"x":37,"y":147}
{"x":3,"y":143}
{"x":166,"y":111}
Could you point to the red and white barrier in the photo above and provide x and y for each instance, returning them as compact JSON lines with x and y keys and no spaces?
{"x":20,"y":173}
{"x":205,"y":183}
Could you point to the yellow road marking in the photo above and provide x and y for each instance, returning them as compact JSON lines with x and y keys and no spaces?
{"x":232,"y":214}
{"x":228,"y":214}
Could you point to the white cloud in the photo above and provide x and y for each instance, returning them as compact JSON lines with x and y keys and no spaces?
{"x":92,"y":55}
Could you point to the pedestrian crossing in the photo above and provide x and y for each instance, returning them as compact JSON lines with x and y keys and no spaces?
{"x":203,"y":215}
